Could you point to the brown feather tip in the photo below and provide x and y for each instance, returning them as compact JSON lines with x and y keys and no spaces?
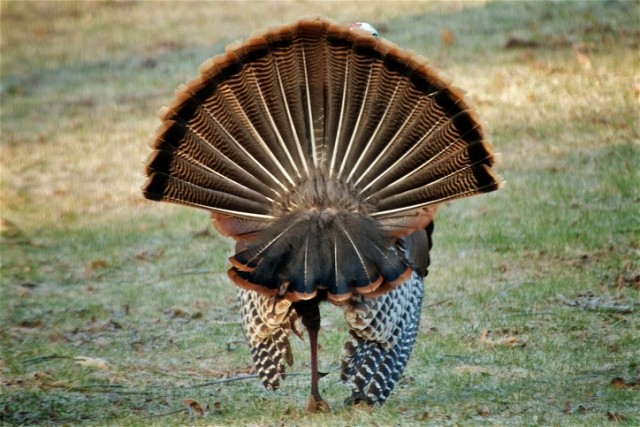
{"x":300,"y":296}
{"x":245,"y":284}
{"x":339,"y":299}
{"x":362,"y":290}
{"x":240,"y":266}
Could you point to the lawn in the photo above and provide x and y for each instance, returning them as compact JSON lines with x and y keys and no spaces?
{"x":118,"y":311}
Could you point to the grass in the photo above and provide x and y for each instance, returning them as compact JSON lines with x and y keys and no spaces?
{"x":90,"y":269}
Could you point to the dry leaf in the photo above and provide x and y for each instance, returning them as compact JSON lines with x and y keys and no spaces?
{"x":621,"y":383}
{"x":615,"y":416}
{"x":23,"y":292}
{"x":9,"y":230}
{"x":194,"y":407}
{"x":582,"y":52}
{"x":92,"y":362}
{"x":516,"y":43}
{"x":31,"y":323}
{"x":584,"y":60}
{"x":483,"y":411}
{"x":510,"y":341}
{"x":175,"y":312}
{"x":447,"y":37}
{"x":98,"y":264}
{"x":618,"y":383}
{"x":39,"y":376}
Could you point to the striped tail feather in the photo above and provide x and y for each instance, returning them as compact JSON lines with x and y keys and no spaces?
{"x":316,"y":145}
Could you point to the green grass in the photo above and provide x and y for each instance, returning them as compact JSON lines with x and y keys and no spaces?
{"x":88,"y":268}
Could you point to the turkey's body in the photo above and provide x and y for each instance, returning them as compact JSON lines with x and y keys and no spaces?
{"x":324,"y":152}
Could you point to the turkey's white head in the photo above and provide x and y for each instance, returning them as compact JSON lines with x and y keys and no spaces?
{"x":364,"y":26}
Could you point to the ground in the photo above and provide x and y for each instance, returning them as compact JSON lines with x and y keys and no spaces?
{"x":117,"y":311}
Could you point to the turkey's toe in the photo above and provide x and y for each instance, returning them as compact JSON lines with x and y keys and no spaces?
{"x":317,"y":405}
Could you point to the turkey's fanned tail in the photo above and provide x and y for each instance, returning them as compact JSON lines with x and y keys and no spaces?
{"x":299,"y":134}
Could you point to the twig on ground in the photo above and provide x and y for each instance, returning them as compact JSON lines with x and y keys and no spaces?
{"x":44,"y":358}
{"x":444,"y":301}
{"x":252,"y":376}
{"x":99,"y":388}
{"x":225,"y":380}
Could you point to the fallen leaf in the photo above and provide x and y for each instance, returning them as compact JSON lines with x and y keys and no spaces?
{"x":92,"y":362}
{"x":194,"y":407}
{"x":447,"y":37}
{"x":23,"y":292}
{"x":9,"y":230}
{"x":585,"y":408}
{"x":98,"y":264}
{"x":39,"y":376}
{"x":618,"y":383}
{"x":149,"y":255}
{"x":175,"y":312}
{"x":516,"y":43}
{"x":584,"y":60}
{"x":615,"y":416}
{"x":483,"y":411}
{"x":621,"y":383}
{"x":31,"y":323}
{"x":29,"y":285}
{"x":631,"y":279}
{"x":509,"y":340}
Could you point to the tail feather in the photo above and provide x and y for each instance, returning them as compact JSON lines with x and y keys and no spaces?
{"x":437,"y":168}
{"x":246,"y":103}
{"x":431,"y":136}
{"x":192,"y":127}
{"x":341,"y":253}
{"x":306,"y":133}
{"x":467,"y":182}
{"x":163,"y":187}
{"x":194,"y":172}
{"x":177,"y":141}
{"x":267,"y":85}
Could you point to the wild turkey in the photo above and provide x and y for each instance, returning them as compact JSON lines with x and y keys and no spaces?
{"x":324,"y":152}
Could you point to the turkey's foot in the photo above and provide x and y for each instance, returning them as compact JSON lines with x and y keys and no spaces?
{"x":317,"y":404}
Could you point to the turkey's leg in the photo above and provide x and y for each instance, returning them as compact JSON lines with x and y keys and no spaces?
{"x":311,"y":320}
